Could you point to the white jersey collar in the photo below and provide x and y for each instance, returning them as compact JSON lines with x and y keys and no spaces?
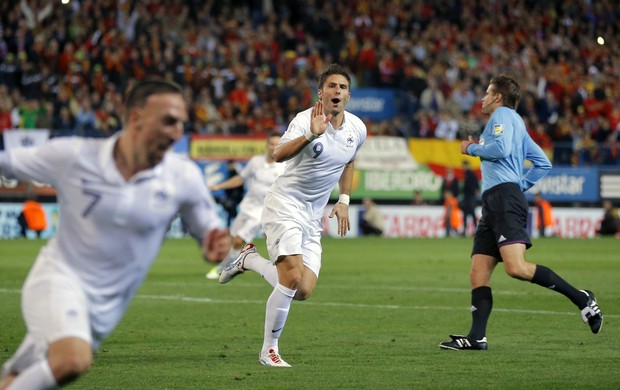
{"x":344,"y":122}
{"x":110,"y":170}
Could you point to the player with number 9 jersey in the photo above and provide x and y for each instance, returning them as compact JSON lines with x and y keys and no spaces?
{"x":311,"y":175}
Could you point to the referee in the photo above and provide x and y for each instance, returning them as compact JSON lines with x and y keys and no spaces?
{"x":501,"y":235}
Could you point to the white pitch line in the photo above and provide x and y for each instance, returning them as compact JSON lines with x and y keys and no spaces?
{"x":353,"y":305}
{"x":534,"y":291}
{"x":182,"y":298}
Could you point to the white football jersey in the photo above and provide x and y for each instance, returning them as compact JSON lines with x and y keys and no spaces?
{"x":110,"y":229}
{"x":259,"y":175}
{"x":310,"y":176}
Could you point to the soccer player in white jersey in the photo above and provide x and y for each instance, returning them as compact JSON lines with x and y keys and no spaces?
{"x":319,"y":147}
{"x":259,"y":173}
{"x":117,"y":197}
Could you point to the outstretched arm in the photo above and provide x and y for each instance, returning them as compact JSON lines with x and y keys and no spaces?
{"x":233,"y":182}
{"x":216,"y":245}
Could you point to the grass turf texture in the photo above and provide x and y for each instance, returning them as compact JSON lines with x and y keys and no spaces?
{"x":380,"y":308}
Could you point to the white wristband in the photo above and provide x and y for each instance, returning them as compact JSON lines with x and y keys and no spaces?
{"x":344,"y":198}
{"x":310,"y":136}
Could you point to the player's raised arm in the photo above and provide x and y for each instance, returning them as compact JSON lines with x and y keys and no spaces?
{"x":318,"y":124}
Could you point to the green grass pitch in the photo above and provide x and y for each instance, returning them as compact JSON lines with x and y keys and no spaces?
{"x":377,"y":315}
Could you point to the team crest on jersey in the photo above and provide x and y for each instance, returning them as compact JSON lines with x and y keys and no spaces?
{"x":350,"y":140}
{"x":159,"y":197}
{"x":498,"y":129}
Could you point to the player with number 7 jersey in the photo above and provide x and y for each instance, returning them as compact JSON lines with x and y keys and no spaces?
{"x":117,"y":197}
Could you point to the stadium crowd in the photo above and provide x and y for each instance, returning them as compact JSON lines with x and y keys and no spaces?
{"x":248,"y":66}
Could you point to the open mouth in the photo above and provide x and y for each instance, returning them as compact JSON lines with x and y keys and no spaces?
{"x":336,"y":100}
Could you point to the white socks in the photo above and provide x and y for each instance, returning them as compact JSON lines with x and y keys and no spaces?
{"x":263,"y":267}
{"x":278,"y":306}
{"x":278,"y":303}
{"x":36,"y":377}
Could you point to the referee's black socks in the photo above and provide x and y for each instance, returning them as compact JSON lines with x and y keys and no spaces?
{"x":545,"y":277}
{"x":481,"y":305}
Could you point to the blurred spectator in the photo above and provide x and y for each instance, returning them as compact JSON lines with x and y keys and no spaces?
{"x":610,"y":224}
{"x":107,"y":121}
{"x":450,"y":183}
{"x":239,"y":125}
{"x":206,"y":112}
{"x":453,"y":217}
{"x":610,"y":150}
{"x":447,"y":127}
{"x":432,"y":98}
{"x":540,"y":136}
{"x":85,"y":120}
{"x":30,"y":111}
{"x":469,"y":201}
{"x":544,"y":216}
{"x":424,"y":124}
{"x":563,"y":141}
{"x":463,"y":95}
{"x":418,"y":199}
{"x":371,"y":222}
{"x":9,"y":72}
{"x":5,"y":115}
{"x":46,"y":119}
{"x":240,"y":97}
{"x":586,"y":149}
{"x":64,"y":122}
{"x":32,"y":217}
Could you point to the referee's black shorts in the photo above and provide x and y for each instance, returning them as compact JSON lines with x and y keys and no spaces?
{"x":504,"y":220}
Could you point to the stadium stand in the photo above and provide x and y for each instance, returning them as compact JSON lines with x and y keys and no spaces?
{"x":248,"y":66}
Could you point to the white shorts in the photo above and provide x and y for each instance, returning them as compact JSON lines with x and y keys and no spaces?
{"x":53,"y":308}
{"x":246,"y":226}
{"x":291,"y":231}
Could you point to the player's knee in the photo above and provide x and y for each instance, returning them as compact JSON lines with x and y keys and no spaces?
{"x":292,"y":276}
{"x":70,"y":366}
{"x":479,"y":278}
{"x":302,"y":294}
{"x":517,"y":271}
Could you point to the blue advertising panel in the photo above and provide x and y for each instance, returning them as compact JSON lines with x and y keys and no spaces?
{"x":182,"y":145}
{"x":372,"y":103}
{"x":569,"y":185}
